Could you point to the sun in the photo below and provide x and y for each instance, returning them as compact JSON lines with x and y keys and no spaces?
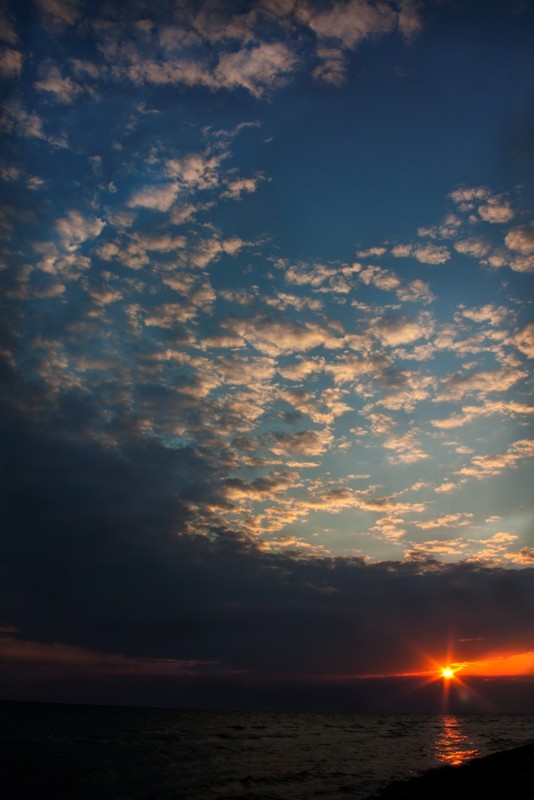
{"x":447,"y":673}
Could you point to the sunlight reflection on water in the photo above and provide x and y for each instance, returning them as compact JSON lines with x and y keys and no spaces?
{"x":452,"y":745}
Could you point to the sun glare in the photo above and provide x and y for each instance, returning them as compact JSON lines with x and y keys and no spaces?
{"x":447,"y":673}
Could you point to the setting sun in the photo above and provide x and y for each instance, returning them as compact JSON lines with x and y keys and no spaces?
{"x":447,"y":673}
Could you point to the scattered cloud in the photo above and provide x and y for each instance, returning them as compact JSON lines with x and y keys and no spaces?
{"x":521,"y":239}
{"x":485,"y":466}
{"x":11,"y":62}
{"x":63,"y":89}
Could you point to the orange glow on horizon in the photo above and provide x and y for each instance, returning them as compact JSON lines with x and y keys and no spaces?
{"x":501,"y":666}
{"x":494,"y":666}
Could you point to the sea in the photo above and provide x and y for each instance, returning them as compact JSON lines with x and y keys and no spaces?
{"x":81,"y":752}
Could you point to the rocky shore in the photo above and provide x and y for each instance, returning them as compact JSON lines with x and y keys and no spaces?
{"x":507,"y":775}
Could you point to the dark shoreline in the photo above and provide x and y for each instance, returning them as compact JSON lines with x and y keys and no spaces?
{"x":507,"y":774}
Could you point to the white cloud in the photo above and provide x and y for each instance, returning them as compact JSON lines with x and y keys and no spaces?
{"x":469,"y":196}
{"x":524,"y":339}
{"x":521,"y":239}
{"x":395,"y":331}
{"x":446,"y":487}
{"x":431,"y":254}
{"x":349,"y":23}
{"x":169,"y":315}
{"x":7,"y":31}
{"x":75,"y":228}
{"x":485,"y":466}
{"x":496,"y":211}
{"x":332,"y":67}
{"x":457,"y":385}
{"x":236,"y":189}
{"x":277,"y":337}
{"x":195,"y":170}
{"x":427,"y":253}
{"x":407,"y":448}
{"x":416,"y":291}
{"x":372,"y":252}
{"x":63,"y":89}
{"x":349,"y":368}
{"x":410,"y":388}
{"x":381,"y":278}
{"x":470,"y":413}
{"x":491,"y":313}
{"x":475,"y":246}
{"x":10,"y":62}
{"x":262,"y":67}
{"x":389,"y":528}
{"x":491,"y":208}
{"x":309,"y":443}
{"x":456,"y":520}
{"x":60,"y":12}
{"x":401,"y":250}
{"x":159,"y":198}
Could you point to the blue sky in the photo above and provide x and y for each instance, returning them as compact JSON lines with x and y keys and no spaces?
{"x":276,"y":259}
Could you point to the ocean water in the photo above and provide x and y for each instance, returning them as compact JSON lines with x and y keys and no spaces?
{"x":164,"y":754}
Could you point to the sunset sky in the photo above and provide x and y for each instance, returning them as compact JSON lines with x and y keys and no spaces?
{"x":266,"y":345}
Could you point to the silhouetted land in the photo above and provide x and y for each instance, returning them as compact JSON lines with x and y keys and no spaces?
{"x":508,"y":775}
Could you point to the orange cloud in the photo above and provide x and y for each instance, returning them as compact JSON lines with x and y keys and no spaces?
{"x":501,"y":665}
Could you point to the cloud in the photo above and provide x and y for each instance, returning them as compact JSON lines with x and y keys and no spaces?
{"x":381,"y":278}
{"x":478,"y":247}
{"x":470,"y":413}
{"x":75,"y":228}
{"x":459,"y":384}
{"x":236,"y":189}
{"x":159,"y":197}
{"x":304,"y":443}
{"x":431,"y":254}
{"x":416,"y":291}
{"x":7,"y":30}
{"x":394,"y":331}
{"x":466,"y":198}
{"x":332,"y":67}
{"x":485,"y":466}
{"x":123,"y":522}
{"x":491,"y":208}
{"x":496,"y":211}
{"x":348,"y":23}
{"x":262,"y":67}
{"x":372,"y":252}
{"x":276,"y":337}
{"x":195,"y":170}
{"x":267,"y":487}
{"x":170,"y":315}
{"x":10,"y":62}
{"x":407,"y":448}
{"x":28,"y":124}
{"x":521,"y":239}
{"x":437,"y":547}
{"x":523,"y":557}
{"x":427,"y":254}
{"x":524,"y":340}
{"x":389,"y":528}
{"x":404,"y":389}
{"x":64,"y":90}
{"x":457,"y":520}
{"x":448,"y":229}
{"x":60,"y":13}
{"x":494,"y":315}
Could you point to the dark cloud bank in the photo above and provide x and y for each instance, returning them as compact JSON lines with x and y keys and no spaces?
{"x":100,"y":552}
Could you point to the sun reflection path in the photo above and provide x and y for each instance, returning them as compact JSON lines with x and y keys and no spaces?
{"x":452,"y":745}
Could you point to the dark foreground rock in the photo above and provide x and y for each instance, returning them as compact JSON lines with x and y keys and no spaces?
{"x":508,"y":775}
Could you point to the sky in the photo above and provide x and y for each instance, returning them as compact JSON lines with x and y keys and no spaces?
{"x":265,"y":350}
